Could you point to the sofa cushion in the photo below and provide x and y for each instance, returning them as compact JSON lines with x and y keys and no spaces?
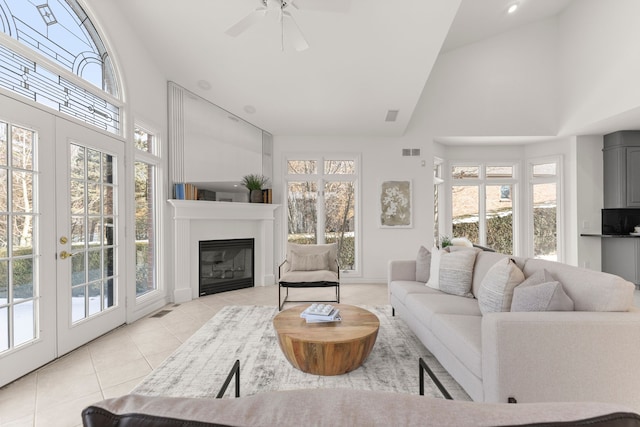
{"x":423,"y":264}
{"x":401,"y":288}
{"x":590,"y":290}
{"x":456,"y":271}
{"x":434,"y":267}
{"x":424,"y":306}
{"x":484,"y":261}
{"x":496,"y":289}
{"x":548,"y":296}
{"x":340,"y":407}
{"x":462,"y":335}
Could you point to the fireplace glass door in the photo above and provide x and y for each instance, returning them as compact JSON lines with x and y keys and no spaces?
{"x":226,"y":265}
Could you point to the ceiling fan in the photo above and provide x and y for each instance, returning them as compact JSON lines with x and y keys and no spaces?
{"x":287,"y":23}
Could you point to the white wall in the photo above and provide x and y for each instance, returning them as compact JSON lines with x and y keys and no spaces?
{"x":588,"y":195}
{"x":381,"y":160}
{"x":506,"y":85}
{"x":144,"y":89}
{"x":503,"y":86}
{"x":600,"y":61}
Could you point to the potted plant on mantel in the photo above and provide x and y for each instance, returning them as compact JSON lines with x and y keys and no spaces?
{"x":255,"y":183}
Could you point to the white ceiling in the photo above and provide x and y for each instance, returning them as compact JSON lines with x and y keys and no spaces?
{"x":365,"y":57}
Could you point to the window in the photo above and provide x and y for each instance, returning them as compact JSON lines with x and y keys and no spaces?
{"x":544,"y":200}
{"x":482,"y":207}
{"x":437,"y":183}
{"x":321,"y":204}
{"x":146,"y":196}
{"x":61,"y":43}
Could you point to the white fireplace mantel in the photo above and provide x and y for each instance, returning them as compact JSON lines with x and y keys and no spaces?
{"x":195,"y":220}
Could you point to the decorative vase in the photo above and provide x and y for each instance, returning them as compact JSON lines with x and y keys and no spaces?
{"x":255,"y":196}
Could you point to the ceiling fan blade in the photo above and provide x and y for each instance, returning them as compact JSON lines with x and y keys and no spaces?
{"x":245,"y":23}
{"x":336,"y":6}
{"x":293,"y":32}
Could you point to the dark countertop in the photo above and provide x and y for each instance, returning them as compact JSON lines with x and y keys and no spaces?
{"x":619,"y":236}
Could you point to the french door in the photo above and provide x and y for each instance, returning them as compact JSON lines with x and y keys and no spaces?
{"x":60,"y":237}
{"x":91,"y":296}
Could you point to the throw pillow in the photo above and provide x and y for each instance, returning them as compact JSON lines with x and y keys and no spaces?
{"x":531,"y":295}
{"x":434,"y":268}
{"x":423,"y":264}
{"x":456,"y":272}
{"x":496,"y":289}
{"x":461,"y":241}
{"x":309,"y":262}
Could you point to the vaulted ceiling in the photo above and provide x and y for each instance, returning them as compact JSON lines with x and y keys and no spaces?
{"x":366,"y":57}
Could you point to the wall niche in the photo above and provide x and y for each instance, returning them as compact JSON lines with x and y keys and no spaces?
{"x":213,"y":148}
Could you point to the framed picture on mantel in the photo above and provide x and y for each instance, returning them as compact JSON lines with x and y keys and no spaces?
{"x":395,"y":204}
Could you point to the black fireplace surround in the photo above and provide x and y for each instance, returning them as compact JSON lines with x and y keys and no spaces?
{"x":226,"y":265}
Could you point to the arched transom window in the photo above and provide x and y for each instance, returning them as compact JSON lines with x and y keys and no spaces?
{"x":61,"y":32}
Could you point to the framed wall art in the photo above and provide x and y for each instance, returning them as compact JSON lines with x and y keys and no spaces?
{"x":395,"y":204}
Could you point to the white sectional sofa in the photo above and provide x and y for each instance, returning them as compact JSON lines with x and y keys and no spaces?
{"x":589,"y":354}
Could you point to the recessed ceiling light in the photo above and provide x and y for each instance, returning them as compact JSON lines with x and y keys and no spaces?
{"x":392,"y":116}
{"x":249,"y":109}
{"x":512,"y":8}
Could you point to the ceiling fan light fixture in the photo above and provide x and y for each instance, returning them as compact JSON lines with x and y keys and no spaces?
{"x":288,"y":24}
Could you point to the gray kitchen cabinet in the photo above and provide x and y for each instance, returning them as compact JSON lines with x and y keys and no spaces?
{"x":621,"y":156}
{"x":633,"y":177}
{"x":621,"y":256}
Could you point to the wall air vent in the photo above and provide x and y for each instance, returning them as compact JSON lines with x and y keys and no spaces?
{"x":410,"y":152}
{"x":392,"y":115}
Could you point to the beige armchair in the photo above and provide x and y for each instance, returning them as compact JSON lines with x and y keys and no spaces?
{"x":309,"y":266}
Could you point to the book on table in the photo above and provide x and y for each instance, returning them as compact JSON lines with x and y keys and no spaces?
{"x":317,"y":313}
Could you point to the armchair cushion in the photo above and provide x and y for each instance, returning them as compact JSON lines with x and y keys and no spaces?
{"x":309,"y":262}
{"x":303,"y":250}
{"x":309,"y":276}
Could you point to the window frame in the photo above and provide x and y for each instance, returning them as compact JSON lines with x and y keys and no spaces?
{"x":320,"y":177}
{"x":558,"y":180}
{"x":481,"y":182}
{"x":155,"y":159}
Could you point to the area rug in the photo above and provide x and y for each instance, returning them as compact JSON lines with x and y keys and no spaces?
{"x":199,"y":367}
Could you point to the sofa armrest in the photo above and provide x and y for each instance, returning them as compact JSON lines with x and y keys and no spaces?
{"x":560,"y":356}
{"x":404,"y":269}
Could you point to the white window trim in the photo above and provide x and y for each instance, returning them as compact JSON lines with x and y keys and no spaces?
{"x":321,"y":178}
{"x":481,"y":182}
{"x":156,"y":298}
{"x":558,"y":179}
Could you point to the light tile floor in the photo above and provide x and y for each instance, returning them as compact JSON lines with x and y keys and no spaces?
{"x":113,"y":364}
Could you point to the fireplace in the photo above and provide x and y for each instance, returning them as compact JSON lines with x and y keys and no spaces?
{"x":225,"y":265}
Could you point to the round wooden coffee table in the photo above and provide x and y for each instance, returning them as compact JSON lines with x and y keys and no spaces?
{"x":327,"y":348}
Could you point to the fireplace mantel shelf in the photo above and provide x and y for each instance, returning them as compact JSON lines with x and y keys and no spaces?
{"x":202,"y":209}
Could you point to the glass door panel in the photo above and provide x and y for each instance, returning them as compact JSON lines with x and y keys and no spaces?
{"x":302,"y":212}
{"x":90,"y":291}
{"x":27,"y":301}
{"x":339,"y":198}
